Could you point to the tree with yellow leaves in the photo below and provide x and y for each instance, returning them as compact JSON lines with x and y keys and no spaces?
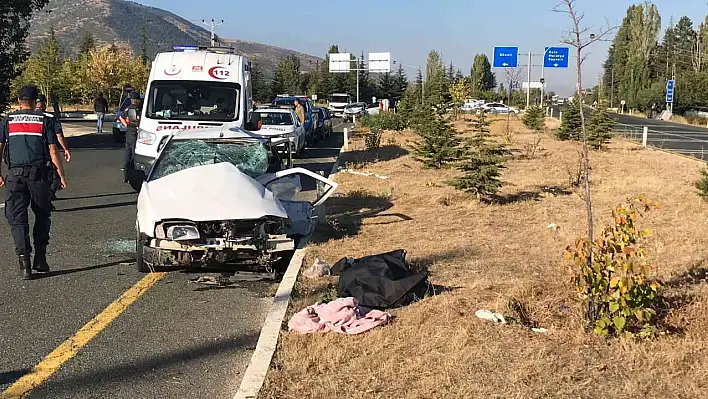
{"x":459,"y":91}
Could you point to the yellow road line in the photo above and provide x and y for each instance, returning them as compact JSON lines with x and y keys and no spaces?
{"x":69,"y":348}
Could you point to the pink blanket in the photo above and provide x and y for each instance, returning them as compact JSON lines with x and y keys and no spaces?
{"x":343,"y":316}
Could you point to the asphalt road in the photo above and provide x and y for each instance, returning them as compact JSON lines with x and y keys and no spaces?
{"x":179,"y":340}
{"x":676,"y":137}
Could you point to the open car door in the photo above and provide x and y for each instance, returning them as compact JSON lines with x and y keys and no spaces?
{"x":300,"y":191}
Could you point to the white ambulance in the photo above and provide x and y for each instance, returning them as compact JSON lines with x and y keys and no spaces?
{"x":192,"y":88}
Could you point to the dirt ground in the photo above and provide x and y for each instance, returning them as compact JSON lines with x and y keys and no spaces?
{"x":482,"y":256}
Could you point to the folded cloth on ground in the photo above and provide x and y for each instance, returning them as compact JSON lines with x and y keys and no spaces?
{"x":343,"y":316}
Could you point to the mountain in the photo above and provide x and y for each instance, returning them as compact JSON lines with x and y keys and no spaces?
{"x":121,"y":22}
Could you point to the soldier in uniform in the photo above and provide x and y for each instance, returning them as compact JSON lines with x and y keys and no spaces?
{"x":29,"y":142}
{"x":131,"y":119}
{"x":56,"y":181}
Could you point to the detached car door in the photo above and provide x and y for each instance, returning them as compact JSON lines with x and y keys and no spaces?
{"x":300,"y":191}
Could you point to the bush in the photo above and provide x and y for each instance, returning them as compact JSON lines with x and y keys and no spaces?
{"x":534,"y":118}
{"x":383,"y":121}
{"x":439,"y":144}
{"x":571,"y":127}
{"x":620,"y":297}
{"x":372,"y":140}
{"x":702,"y":184}
{"x":600,"y":127}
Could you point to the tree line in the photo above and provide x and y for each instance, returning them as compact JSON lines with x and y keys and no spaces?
{"x":639,"y":64}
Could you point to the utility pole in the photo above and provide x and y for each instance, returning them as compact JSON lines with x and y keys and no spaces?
{"x":213,"y":24}
{"x":612,"y":90}
{"x":528,"y":89}
{"x":673,"y":77}
{"x":358,"y":68}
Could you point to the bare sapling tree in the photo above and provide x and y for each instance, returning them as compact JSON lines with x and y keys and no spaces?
{"x":580,"y":38}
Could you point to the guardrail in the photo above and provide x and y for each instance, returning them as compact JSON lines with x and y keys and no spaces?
{"x":667,"y":141}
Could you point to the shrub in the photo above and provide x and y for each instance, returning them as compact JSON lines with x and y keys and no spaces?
{"x":600,"y":127}
{"x":534,"y":118}
{"x":571,"y":128}
{"x":372,"y":140}
{"x":612,"y":276}
{"x":702,"y":184}
{"x":383,"y":121}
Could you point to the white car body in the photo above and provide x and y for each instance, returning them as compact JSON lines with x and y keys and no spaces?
{"x":497,"y":108}
{"x":289,"y":127}
{"x":354,"y":109}
{"x":337,"y":102}
{"x":184,"y":92}
{"x":195,"y":211}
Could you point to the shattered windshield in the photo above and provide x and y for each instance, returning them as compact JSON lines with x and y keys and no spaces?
{"x":193,"y":100}
{"x":251,"y":158}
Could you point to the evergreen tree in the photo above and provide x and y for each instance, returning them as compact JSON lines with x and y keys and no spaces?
{"x":601,"y":125}
{"x":15,"y":27}
{"x":144,"y":45}
{"x":258,"y":84}
{"x":439,"y":144}
{"x":702,"y":184}
{"x":534,"y":118}
{"x":450,"y":74}
{"x":571,"y":128}
{"x":482,"y":78}
{"x":287,"y":76}
{"x":400,"y":84}
{"x":88,"y":43}
{"x":435,"y":80}
{"x":481,"y":164}
{"x":385,"y":86}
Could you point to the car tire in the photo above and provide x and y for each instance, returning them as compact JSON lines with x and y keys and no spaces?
{"x":140,"y":264}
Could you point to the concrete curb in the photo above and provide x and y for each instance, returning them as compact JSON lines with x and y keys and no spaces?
{"x":257,"y":369}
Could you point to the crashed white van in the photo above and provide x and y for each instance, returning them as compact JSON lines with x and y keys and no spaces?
{"x":219,"y":196}
{"x":191,"y":88}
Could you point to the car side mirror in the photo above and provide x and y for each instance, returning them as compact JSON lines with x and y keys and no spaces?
{"x":254,"y":122}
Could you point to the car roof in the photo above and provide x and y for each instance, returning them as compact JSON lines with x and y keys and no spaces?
{"x":275,"y":110}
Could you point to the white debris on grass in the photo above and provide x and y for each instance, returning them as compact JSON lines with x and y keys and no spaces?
{"x":539,"y":330}
{"x":354,"y":172}
{"x":318,"y":269}
{"x":553,"y":227}
{"x":491,"y":316}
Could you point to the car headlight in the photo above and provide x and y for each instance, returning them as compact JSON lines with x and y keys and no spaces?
{"x":145,"y":137}
{"x":182,"y":233}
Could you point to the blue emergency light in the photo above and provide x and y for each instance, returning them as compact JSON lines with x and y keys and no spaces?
{"x":186,"y":48}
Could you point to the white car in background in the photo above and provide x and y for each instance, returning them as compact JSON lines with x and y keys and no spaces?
{"x":471,"y":105}
{"x":282,"y":122}
{"x":497,"y":108}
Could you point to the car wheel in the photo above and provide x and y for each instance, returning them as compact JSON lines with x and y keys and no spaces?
{"x":139,"y":256}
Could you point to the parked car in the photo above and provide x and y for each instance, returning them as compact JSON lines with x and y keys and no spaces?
{"x":282,"y":122}
{"x":373,"y":109}
{"x":498,"y":108}
{"x":236,"y":206}
{"x":354,"y":109}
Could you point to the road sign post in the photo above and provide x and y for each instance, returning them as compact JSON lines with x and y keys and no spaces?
{"x":554,"y":57}
{"x":670,"y":89}
{"x":506,"y":57}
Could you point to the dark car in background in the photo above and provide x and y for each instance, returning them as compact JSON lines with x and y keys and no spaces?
{"x":325,"y":122}
{"x":310,"y":123}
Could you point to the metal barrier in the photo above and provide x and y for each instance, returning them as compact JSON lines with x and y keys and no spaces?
{"x":666,"y":141}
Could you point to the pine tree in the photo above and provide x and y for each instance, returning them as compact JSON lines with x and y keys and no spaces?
{"x":534,"y":118}
{"x":88,"y":43}
{"x":571,"y":128}
{"x":400,"y":84}
{"x":435,"y":80}
{"x":481,"y":76}
{"x":702,"y":184}
{"x":601,"y":125}
{"x":483,"y":159}
{"x":439,"y":144}
{"x":258,"y":83}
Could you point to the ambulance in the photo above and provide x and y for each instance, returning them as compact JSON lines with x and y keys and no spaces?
{"x":189,"y":89}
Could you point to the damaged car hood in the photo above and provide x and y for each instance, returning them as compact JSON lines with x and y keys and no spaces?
{"x":206,"y":193}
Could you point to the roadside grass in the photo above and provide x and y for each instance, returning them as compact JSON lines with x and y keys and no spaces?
{"x":487,"y":255}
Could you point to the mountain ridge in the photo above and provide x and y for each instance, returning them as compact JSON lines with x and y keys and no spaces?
{"x":121,"y":22}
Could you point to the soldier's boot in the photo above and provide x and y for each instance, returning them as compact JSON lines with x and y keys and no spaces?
{"x":26,"y":266}
{"x":40,"y":260}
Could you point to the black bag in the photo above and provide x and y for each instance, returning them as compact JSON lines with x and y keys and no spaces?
{"x":380,"y":281}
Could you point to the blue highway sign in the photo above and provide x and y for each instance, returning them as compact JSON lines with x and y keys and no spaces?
{"x":506,"y":57}
{"x":556,"y":57}
{"x":670,"y":91}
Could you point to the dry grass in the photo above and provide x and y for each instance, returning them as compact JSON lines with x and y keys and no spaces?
{"x":489,"y":254}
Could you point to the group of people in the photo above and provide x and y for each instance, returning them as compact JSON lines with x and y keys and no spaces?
{"x":30,"y":140}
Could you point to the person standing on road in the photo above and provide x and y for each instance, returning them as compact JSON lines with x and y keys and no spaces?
{"x":28,"y":142}
{"x":131,"y":119}
{"x":100,"y":107}
{"x":300,"y":111}
{"x":56,"y":180}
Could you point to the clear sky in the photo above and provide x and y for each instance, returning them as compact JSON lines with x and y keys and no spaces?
{"x":409,"y":29}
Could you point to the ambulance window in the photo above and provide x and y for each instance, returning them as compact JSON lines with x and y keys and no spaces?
{"x":194,"y":100}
